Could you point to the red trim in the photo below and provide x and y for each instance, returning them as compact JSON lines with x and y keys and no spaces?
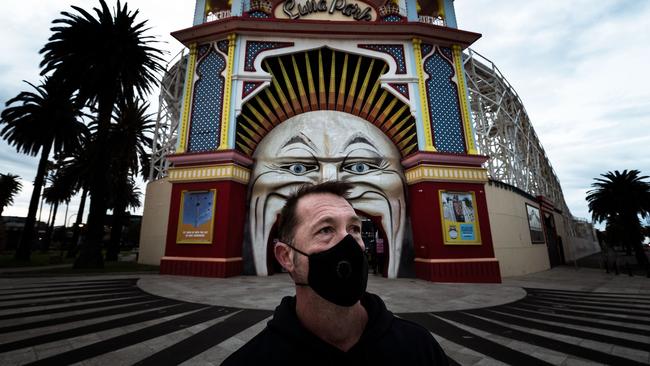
{"x":200,"y":268}
{"x":440,"y":35}
{"x":229,"y":219}
{"x":422,"y":157}
{"x":202,"y":158}
{"x":472,"y":272}
{"x":477,"y":263}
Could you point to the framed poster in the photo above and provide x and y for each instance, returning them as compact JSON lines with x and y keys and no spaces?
{"x":196,"y":217}
{"x":459,"y":218}
{"x":535,"y":225}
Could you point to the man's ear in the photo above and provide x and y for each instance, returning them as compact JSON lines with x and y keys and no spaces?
{"x":283,"y":255}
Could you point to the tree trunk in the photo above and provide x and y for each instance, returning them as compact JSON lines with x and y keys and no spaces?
{"x":91,"y":249}
{"x":113,"y":248}
{"x":50,"y":229}
{"x":24,"y":250}
{"x":72,"y":252}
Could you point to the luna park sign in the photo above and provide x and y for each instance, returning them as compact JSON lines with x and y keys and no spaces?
{"x":294,"y":9}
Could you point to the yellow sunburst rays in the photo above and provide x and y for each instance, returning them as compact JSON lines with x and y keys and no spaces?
{"x":362,"y":93}
{"x":313,"y":99}
{"x":292,"y":94}
{"x":322,"y":98}
{"x":273,"y":106}
{"x":331,"y":98}
{"x":284,"y":102}
{"x":340,"y":101}
{"x":301,"y":88}
{"x":371,"y":97}
{"x":353,"y":87}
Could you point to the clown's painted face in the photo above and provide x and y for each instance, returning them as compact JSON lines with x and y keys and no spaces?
{"x":320,"y":146}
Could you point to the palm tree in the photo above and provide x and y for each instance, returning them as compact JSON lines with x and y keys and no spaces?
{"x":59,"y":190}
{"x":45,"y":121}
{"x":9,"y":187}
{"x":74,"y":171}
{"x":105,"y":58}
{"x":130,"y":139}
{"x":619,"y":199}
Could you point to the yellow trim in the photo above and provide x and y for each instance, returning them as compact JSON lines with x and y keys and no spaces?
{"x":444,"y":173}
{"x":210,"y":172}
{"x":227,"y":91}
{"x":424,"y":105}
{"x":180,"y":218}
{"x":462,"y":97}
{"x":477,"y":229}
{"x":187,"y":98}
{"x":201,"y":259}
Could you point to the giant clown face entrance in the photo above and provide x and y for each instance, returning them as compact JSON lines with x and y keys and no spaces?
{"x":320,"y":146}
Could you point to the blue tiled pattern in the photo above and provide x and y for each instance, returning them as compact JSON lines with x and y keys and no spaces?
{"x":258,"y":14}
{"x":254,"y":48}
{"x":446,"y":51}
{"x":392,"y":18}
{"x":223,"y":46}
{"x":426,"y":49}
{"x":395,"y":50}
{"x":207,"y":104}
{"x":402,"y":88}
{"x":442,"y":94}
{"x":249,"y":86}
{"x":202,"y":50}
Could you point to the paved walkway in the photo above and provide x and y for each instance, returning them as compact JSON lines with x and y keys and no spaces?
{"x":556,"y":317}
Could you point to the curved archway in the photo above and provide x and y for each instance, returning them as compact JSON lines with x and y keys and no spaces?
{"x":325,"y":79}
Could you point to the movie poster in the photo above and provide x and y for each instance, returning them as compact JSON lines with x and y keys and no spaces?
{"x":459,"y":218}
{"x":195,"y":223}
{"x":535,"y":225}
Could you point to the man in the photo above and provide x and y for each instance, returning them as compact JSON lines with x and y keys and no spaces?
{"x":332,"y":320}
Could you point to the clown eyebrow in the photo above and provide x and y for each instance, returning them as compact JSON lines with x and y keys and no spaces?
{"x":358,"y":140}
{"x":299,"y":140}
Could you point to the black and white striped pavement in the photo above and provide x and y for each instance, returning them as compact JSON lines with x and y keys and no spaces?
{"x":113,"y":322}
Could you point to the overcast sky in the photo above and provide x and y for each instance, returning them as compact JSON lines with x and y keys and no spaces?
{"x":578,"y":67}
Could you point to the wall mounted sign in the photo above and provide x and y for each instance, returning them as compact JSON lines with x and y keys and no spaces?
{"x":342,"y":10}
{"x":196,"y":218}
{"x":459,"y":218}
{"x":535,"y":225}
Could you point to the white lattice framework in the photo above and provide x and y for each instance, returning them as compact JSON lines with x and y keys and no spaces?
{"x":168,"y":117}
{"x":505,"y":133}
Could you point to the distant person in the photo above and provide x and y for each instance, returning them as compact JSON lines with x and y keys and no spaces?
{"x":332,"y":320}
{"x":379,"y":249}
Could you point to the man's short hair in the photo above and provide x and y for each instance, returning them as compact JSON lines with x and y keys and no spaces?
{"x":288,"y":218}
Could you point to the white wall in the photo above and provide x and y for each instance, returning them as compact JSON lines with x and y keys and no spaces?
{"x":511,"y":235}
{"x":153,"y":233}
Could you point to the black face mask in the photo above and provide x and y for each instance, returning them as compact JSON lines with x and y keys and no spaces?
{"x":338,"y":274}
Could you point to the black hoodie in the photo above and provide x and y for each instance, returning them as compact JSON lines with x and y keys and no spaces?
{"x":386,"y":340}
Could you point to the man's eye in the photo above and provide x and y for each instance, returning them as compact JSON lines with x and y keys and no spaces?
{"x":298,"y":168}
{"x":325,"y":230}
{"x":359,"y":168}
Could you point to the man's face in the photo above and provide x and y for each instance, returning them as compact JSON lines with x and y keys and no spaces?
{"x":323,"y":220}
{"x":321,"y":146}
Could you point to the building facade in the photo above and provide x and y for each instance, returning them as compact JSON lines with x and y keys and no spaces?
{"x":280,"y":93}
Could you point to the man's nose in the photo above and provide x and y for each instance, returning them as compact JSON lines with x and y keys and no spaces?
{"x":329,"y":172}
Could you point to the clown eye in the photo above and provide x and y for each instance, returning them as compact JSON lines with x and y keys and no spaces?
{"x":299,"y":168}
{"x":359,"y":168}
